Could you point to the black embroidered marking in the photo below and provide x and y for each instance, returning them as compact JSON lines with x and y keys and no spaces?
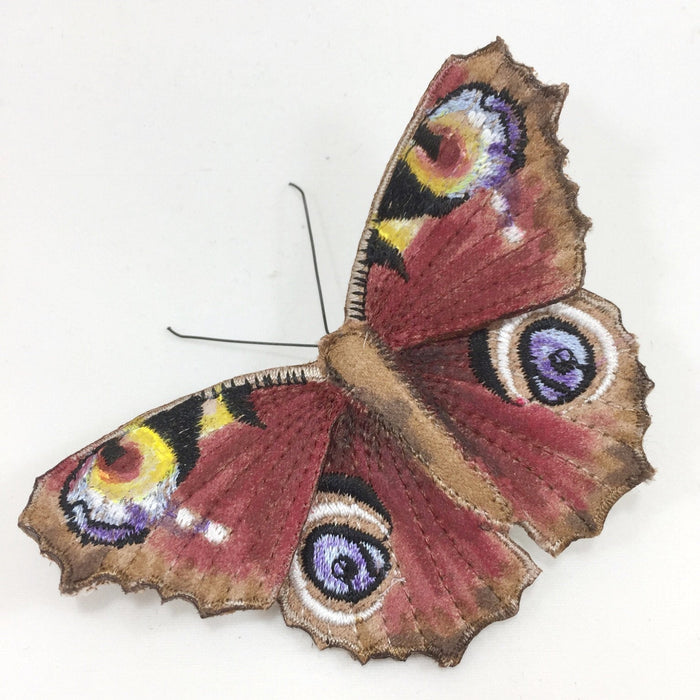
{"x":179,"y":427}
{"x":406,"y":198}
{"x":381,"y":252}
{"x":428,"y":141}
{"x":344,"y":563}
{"x":480,"y":362}
{"x":111,"y":533}
{"x":111,"y":451}
{"x":356,"y":488}
{"x":240,"y":405}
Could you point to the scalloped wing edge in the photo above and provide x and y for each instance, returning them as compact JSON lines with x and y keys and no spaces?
{"x":434,"y":652}
{"x":70,"y":581}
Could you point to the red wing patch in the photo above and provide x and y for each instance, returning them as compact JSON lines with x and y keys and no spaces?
{"x":387,"y":564}
{"x":551,"y":404}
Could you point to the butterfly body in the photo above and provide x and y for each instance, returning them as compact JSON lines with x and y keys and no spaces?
{"x":474,"y":385}
{"x":358,"y":362}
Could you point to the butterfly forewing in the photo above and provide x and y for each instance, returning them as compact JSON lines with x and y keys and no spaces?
{"x":474,"y":218}
{"x":203,"y":498}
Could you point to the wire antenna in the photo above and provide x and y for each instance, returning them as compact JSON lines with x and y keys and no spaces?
{"x":244,"y":342}
{"x":313,"y":254}
{"x":318,"y":286}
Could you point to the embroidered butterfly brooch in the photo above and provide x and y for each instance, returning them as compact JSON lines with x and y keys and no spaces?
{"x":474,"y":385}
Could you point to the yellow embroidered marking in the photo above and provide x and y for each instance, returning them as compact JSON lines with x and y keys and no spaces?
{"x":159,"y":462}
{"x":215,"y":415}
{"x":470,"y":154}
{"x":399,"y":232}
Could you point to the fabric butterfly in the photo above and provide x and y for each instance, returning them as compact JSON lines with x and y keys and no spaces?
{"x":474,"y":385}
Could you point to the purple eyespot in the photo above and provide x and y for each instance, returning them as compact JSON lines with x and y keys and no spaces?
{"x":345,"y":563}
{"x":557,"y":360}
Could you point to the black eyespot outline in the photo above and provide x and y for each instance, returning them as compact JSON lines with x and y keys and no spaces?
{"x":353,"y":486}
{"x":179,"y":428}
{"x":482,"y":366}
{"x":357,"y":537}
{"x":130,"y":534}
{"x":406,"y":198}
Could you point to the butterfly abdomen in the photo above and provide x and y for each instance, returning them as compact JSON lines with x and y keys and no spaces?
{"x":355,"y":359}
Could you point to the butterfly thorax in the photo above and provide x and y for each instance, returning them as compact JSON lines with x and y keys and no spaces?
{"x":355,"y":359}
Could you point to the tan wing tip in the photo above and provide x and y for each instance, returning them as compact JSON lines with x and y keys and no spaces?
{"x":596,"y":521}
{"x":81,"y":567}
{"x":66,"y":584}
{"x":498,"y":45}
{"x":553,"y":94}
{"x":70,"y":584}
{"x":552,"y":98}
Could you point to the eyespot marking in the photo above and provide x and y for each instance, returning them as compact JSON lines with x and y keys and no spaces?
{"x":557,"y":360}
{"x":550,"y":355}
{"x":345,"y":563}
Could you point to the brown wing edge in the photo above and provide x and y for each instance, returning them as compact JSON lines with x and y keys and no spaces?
{"x":41,"y":514}
{"x":639,"y":470}
{"x":633,"y":465}
{"x":446,"y":656}
{"x":548,"y":121}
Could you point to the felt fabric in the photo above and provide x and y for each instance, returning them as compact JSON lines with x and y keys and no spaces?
{"x":473,"y":385}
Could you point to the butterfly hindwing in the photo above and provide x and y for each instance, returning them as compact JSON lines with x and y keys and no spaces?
{"x":551,"y":404}
{"x":203,"y":498}
{"x":474,"y":218}
{"x":387,"y":564}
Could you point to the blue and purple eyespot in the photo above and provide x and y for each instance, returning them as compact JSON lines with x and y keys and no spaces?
{"x":473,"y":139}
{"x":552,"y":356}
{"x":491,"y":130}
{"x":345,"y":563}
{"x":125,"y":485}
{"x":117,"y":492}
{"x":557,"y":360}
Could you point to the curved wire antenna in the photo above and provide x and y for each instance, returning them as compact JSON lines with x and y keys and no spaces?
{"x":313,"y":254}
{"x":244,"y":342}
{"x":318,"y":286}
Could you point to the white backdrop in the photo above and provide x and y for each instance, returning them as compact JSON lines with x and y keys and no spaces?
{"x":146,"y":149}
